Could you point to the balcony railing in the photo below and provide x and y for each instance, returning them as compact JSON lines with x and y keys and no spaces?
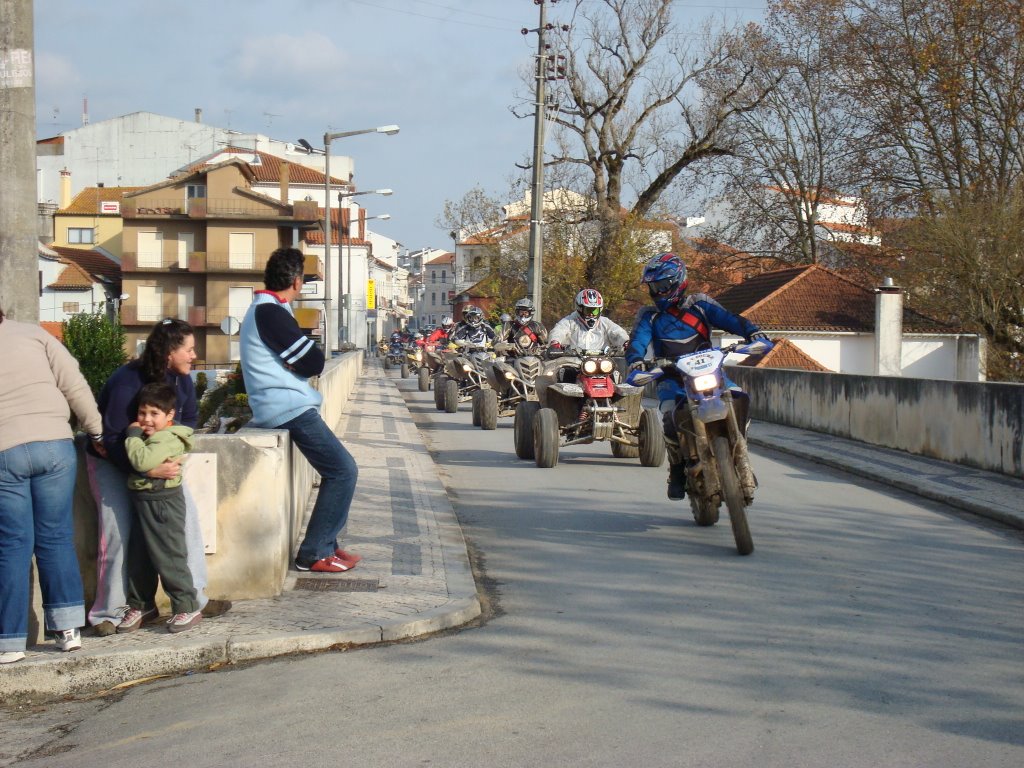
{"x":151,"y":313}
{"x":207,"y":207}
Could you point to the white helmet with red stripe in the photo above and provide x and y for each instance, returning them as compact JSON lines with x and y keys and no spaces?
{"x":589,"y":305}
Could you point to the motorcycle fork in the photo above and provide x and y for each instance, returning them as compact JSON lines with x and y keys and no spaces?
{"x":699,"y":446}
{"x":740,"y":455}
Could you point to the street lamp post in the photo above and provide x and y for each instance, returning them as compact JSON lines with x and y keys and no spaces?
{"x":330,"y":329}
{"x":348,"y":306}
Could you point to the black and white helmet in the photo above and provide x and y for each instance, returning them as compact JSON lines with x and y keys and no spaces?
{"x":473,"y":315}
{"x":524,"y":310}
{"x":446,"y":322}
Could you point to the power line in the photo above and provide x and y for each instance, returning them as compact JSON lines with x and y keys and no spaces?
{"x":442,"y":19}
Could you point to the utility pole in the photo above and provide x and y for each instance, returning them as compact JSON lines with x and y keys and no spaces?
{"x":536,"y":244}
{"x":19,"y":244}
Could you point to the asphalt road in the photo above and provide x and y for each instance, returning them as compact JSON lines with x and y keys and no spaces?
{"x":869,"y":628}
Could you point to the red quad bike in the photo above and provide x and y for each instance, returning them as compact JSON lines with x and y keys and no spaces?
{"x":579,"y":402}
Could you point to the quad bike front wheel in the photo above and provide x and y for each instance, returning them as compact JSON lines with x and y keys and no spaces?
{"x":387,"y":364}
{"x":450,"y":396}
{"x":651,"y":438}
{"x":522,"y":428}
{"x":545,"y":438}
{"x":732,"y":493}
{"x":423,"y":379}
{"x":488,"y":409}
{"x":405,"y":370}
{"x":475,"y":409}
{"x":439,"y":392}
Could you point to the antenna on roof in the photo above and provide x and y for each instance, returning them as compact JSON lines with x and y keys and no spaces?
{"x":270,"y":118}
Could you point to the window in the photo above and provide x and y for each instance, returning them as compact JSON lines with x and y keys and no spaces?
{"x":196,"y":190}
{"x":433,"y":297}
{"x":81,"y":235}
{"x":444,"y":276}
{"x":71,"y":307}
{"x":433,"y":276}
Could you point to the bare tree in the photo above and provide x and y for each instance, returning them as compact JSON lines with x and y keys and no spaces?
{"x":638,"y":109}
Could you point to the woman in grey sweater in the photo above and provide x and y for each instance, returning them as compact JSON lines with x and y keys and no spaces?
{"x":40,"y":385}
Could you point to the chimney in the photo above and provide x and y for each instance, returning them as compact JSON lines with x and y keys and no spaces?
{"x":888,"y":329}
{"x":65,"y":188}
{"x":285,"y":172}
{"x":199,"y":114}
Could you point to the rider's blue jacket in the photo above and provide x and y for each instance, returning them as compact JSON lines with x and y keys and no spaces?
{"x":684,"y":328}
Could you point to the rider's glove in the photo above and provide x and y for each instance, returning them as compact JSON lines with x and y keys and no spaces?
{"x":634,"y":368}
{"x":758,"y":336}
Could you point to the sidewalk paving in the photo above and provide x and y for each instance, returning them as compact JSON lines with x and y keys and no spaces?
{"x":415,"y":577}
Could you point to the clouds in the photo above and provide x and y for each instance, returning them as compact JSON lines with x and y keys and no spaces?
{"x":284,"y":60}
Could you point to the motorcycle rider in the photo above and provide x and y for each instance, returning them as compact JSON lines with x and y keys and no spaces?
{"x":586,"y":328}
{"x":529,"y":336}
{"x":473,"y":330}
{"x":676,"y":325}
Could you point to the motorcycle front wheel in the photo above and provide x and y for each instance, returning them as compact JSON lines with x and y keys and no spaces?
{"x":732,"y":493}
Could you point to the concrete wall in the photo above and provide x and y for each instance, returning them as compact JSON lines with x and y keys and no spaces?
{"x":978,"y":424}
{"x":262,"y":492}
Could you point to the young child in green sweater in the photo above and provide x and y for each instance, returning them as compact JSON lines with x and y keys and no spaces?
{"x":156,"y":546}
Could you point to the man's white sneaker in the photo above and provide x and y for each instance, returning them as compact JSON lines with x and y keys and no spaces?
{"x":9,"y":657}
{"x":69,"y":639}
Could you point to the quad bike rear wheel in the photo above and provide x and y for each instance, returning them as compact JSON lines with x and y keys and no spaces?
{"x":522,"y":428}
{"x":651,"y":438}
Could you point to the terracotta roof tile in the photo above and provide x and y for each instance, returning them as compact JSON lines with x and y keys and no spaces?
{"x":93,"y":262}
{"x":444,"y":258}
{"x":316,"y":236}
{"x":72,"y":278}
{"x":785,"y":354}
{"x":88,"y":200}
{"x":813,"y":298}
{"x":268,"y":170}
{"x":54,"y":329}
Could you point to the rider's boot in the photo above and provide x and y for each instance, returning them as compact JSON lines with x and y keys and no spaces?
{"x":676,"y":469}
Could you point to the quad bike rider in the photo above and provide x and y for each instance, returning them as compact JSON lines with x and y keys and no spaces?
{"x":395,"y":354}
{"x":579,"y":397}
{"x":413,"y":356}
{"x":521,"y":341}
{"x":462,"y":373}
{"x":679,"y":324}
{"x":433,"y":344}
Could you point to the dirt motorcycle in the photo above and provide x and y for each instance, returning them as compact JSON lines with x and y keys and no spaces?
{"x":580,"y":401}
{"x":512,"y":378}
{"x":710,"y":436}
{"x":395,"y":355}
{"x":462,"y":374}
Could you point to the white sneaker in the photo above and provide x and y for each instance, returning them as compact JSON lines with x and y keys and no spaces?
{"x":9,"y":657}
{"x":69,"y":639}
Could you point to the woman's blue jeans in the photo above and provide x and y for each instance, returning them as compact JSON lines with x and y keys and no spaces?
{"x":37,"y":483}
{"x":338,"y":472}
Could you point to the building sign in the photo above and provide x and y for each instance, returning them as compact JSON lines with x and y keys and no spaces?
{"x":110,"y":206}
{"x":371,"y":294}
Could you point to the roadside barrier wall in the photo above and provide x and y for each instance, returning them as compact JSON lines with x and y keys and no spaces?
{"x":252,"y":490}
{"x":977,"y":424}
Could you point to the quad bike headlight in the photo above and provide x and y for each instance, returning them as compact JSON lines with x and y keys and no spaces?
{"x":590,"y":367}
{"x":467,"y":367}
{"x":705,"y":382}
{"x":509,"y":375}
{"x":607,"y":366}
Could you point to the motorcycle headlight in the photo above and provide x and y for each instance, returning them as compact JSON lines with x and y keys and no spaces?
{"x":607,"y":366}
{"x":705,"y":382}
{"x":467,"y":367}
{"x":590,"y":367}
{"x":509,"y":375}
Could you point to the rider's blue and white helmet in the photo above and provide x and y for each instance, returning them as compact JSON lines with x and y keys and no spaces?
{"x":665,"y":278}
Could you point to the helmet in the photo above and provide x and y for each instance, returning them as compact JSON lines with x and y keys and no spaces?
{"x":589,"y":305}
{"x":665,"y":278}
{"x":446,"y":322}
{"x":417,"y":335}
{"x":524,"y":310}
{"x":473,"y":315}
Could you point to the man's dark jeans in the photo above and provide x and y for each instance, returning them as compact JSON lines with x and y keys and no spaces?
{"x":338,"y":473}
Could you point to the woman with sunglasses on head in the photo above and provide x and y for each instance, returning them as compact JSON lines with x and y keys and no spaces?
{"x":167,"y":357}
{"x":676,"y":325}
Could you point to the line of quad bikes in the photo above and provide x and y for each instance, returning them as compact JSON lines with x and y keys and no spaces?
{"x":574,"y":397}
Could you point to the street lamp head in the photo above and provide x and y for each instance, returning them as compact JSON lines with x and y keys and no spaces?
{"x":383,"y":191}
{"x":390,"y":130}
{"x":306,"y":145}
{"x":382,"y":216}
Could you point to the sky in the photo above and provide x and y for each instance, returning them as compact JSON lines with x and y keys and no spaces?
{"x":445,"y":71}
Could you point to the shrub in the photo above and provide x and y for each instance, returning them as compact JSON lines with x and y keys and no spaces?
{"x":97,"y":344}
{"x":202,"y":382}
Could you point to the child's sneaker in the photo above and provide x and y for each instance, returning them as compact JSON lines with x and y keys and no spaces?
{"x":69,"y":639}
{"x":180,"y":622}
{"x":136,"y":618}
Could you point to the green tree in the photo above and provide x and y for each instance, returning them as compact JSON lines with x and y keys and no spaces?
{"x":97,"y":344}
